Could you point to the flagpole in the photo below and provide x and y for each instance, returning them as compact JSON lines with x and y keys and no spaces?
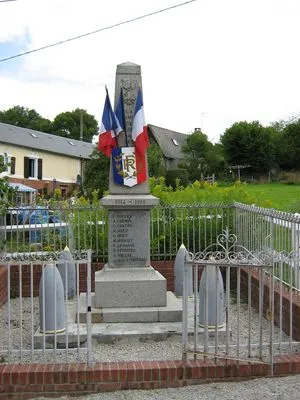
{"x":111,"y":113}
{"x":125,"y":129}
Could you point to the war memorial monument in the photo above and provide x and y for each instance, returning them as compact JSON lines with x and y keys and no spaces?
{"x":129,"y":289}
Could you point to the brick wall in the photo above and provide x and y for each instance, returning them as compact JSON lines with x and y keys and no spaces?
{"x":29,"y":275}
{"x":3,"y":285}
{"x":19,"y":381}
{"x":286,"y":297}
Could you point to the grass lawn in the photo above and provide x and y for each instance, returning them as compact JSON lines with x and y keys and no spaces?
{"x":283,"y":197}
{"x":279,"y":196}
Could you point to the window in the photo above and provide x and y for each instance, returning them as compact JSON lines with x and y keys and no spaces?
{"x":9,"y":162}
{"x":175,"y":142}
{"x":33,"y":167}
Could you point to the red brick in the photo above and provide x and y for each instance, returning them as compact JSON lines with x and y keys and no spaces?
{"x":114,"y":373}
{"x":147,"y":371}
{"x":81,"y":374}
{"x":72,"y":373}
{"x":6,"y":374}
{"x":23,"y":374}
{"x":139,"y":371}
{"x":105,"y":375}
{"x":244,"y":370}
{"x":131,"y":375}
{"x":134,"y":385}
{"x":57,"y":374}
{"x":109,"y":387}
{"x":66,"y":387}
{"x":163,"y":371}
{"x":39,"y":374}
{"x":260,"y":369}
{"x":29,"y":388}
{"x":179,"y":369}
{"x":122,"y":371}
{"x":211,"y":371}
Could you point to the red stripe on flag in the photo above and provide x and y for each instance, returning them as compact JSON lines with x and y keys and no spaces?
{"x":142,"y":141}
{"x":106,"y":143}
{"x":141,"y":165}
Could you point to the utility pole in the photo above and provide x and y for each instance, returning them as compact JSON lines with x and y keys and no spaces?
{"x":81,"y":138}
{"x":81,"y":125}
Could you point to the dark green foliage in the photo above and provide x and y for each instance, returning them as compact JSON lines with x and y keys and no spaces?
{"x":202,"y":157}
{"x":156,"y":166}
{"x":96,"y":174}
{"x":289,"y":146}
{"x":25,"y":118}
{"x":175,"y":177}
{"x":67,"y":124}
{"x":249,"y":143}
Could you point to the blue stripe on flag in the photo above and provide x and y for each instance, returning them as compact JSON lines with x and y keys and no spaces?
{"x":117,"y":165}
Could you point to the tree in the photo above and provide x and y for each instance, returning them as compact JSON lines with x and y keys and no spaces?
{"x":289,"y":146}
{"x":67,"y":124}
{"x":25,"y":118}
{"x":202,"y":157}
{"x":156,"y":166}
{"x":249,"y":143}
{"x":96,"y":174}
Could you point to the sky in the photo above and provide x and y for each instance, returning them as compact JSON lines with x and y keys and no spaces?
{"x":206,"y":64}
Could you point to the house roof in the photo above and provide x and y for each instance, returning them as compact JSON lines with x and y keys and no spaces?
{"x":169,"y":141}
{"x":21,"y":188}
{"x":29,"y":138}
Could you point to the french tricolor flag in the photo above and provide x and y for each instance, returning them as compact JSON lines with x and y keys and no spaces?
{"x":109,"y":130}
{"x":140,"y":137}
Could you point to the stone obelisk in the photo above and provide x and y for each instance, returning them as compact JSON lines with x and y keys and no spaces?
{"x":128,"y":279}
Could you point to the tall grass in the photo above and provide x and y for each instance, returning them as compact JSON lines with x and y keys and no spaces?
{"x":203,"y":192}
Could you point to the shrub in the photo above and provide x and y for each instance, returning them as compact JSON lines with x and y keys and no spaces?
{"x":173,"y":175}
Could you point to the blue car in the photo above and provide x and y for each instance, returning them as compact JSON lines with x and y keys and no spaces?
{"x":39,"y":216}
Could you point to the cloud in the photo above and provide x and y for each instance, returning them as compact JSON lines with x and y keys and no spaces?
{"x":232,"y":60}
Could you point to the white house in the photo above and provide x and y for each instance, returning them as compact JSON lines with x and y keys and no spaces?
{"x":43,"y":161}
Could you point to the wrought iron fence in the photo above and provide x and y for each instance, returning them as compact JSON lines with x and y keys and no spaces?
{"x":275,"y":232}
{"x":31,"y":236}
{"x":36,"y":230}
{"x":40,"y":321}
{"x":253,"y":318}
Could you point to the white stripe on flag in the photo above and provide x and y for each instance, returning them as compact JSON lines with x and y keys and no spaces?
{"x":138,"y":124}
{"x":129,"y":166}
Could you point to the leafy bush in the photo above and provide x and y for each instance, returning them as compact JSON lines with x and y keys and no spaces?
{"x":173,"y":175}
{"x":204,"y":192}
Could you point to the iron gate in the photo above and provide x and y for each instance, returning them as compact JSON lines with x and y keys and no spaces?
{"x":249,"y":281}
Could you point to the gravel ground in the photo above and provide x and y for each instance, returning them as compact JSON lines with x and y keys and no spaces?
{"x":270,"y":388}
{"x":125,"y":350}
{"x":287,"y":388}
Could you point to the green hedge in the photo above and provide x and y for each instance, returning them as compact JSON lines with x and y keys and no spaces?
{"x":175,"y":176}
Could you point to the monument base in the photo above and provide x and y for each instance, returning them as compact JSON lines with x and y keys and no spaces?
{"x":172,"y":312}
{"x":130,"y":287}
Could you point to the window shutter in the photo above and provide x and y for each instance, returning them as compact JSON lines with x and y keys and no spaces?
{"x":26,"y":167}
{"x":40,"y":168}
{"x":12,"y":165}
{"x":2,"y":163}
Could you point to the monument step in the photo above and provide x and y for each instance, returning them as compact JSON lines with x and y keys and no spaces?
{"x":172,"y":312}
{"x":107,"y":332}
{"x":129,"y":287}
